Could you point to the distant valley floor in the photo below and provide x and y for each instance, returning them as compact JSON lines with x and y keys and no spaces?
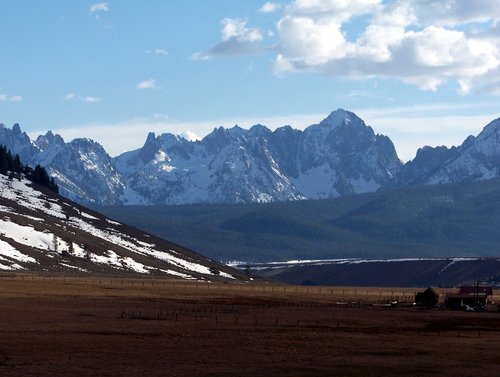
{"x":407,"y":272}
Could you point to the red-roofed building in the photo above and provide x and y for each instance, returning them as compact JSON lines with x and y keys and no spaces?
{"x":475,"y":290}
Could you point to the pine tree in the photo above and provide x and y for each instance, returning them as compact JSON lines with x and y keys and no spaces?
{"x":4,"y":165}
{"x":10,"y":161}
{"x":17,"y":166}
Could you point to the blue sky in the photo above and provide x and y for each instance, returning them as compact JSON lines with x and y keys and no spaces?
{"x":423,"y":72}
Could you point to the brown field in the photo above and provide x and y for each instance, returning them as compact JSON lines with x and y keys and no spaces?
{"x":88,"y":326}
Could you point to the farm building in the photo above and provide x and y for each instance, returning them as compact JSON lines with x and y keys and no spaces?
{"x":428,"y":298}
{"x":472,"y":290}
{"x":460,"y":300}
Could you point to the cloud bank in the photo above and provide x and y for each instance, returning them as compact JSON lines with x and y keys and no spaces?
{"x":237,"y":40}
{"x":426,"y":43}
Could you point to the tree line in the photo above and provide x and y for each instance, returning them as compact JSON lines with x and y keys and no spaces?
{"x":12,"y":166}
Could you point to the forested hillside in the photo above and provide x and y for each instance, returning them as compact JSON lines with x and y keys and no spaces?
{"x":444,"y":220}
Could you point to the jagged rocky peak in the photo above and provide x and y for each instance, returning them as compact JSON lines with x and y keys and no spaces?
{"x":491,"y":129}
{"x":15,"y":131}
{"x":168,"y":140}
{"x":236,"y":132}
{"x":430,"y":154}
{"x":18,"y":142}
{"x":150,"y":148}
{"x":16,"y":128}
{"x":259,"y":130}
{"x":48,"y":140}
{"x":86,"y":145}
{"x":339,"y":117}
{"x":338,"y":128}
{"x":217,"y":139}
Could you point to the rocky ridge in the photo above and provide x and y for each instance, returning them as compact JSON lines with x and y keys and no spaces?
{"x":337,"y":157}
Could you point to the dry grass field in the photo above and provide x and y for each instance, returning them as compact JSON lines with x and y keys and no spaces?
{"x":103,"y":326}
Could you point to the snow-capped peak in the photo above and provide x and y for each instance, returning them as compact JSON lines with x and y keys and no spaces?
{"x":337,"y":117}
{"x":189,"y":136}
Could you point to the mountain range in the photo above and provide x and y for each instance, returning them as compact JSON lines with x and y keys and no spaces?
{"x":340,"y":156}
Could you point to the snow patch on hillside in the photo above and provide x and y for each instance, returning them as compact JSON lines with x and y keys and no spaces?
{"x":10,"y":252}
{"x":44,"y":237}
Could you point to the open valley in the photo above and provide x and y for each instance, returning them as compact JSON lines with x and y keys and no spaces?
{"x":87,"y":326}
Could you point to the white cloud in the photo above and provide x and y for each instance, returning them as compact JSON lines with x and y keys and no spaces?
{"x":237,"y":40}
{"x":86,"y":99}
{"x":69,"y":96}
{"x":424,"y":43}
{"x":90,"y":99}
{"x":6,"y":98}
{"x":99,"y":7}
{"x":270,"y":7}
{"x":157,"y":51}
{"x":147,"y":84}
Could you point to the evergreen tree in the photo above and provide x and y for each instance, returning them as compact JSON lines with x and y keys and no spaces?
{"x":4,"y":165}
{"x":17,"y":166}
{"x":53,"y":186}
{"x":12,"y":163}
